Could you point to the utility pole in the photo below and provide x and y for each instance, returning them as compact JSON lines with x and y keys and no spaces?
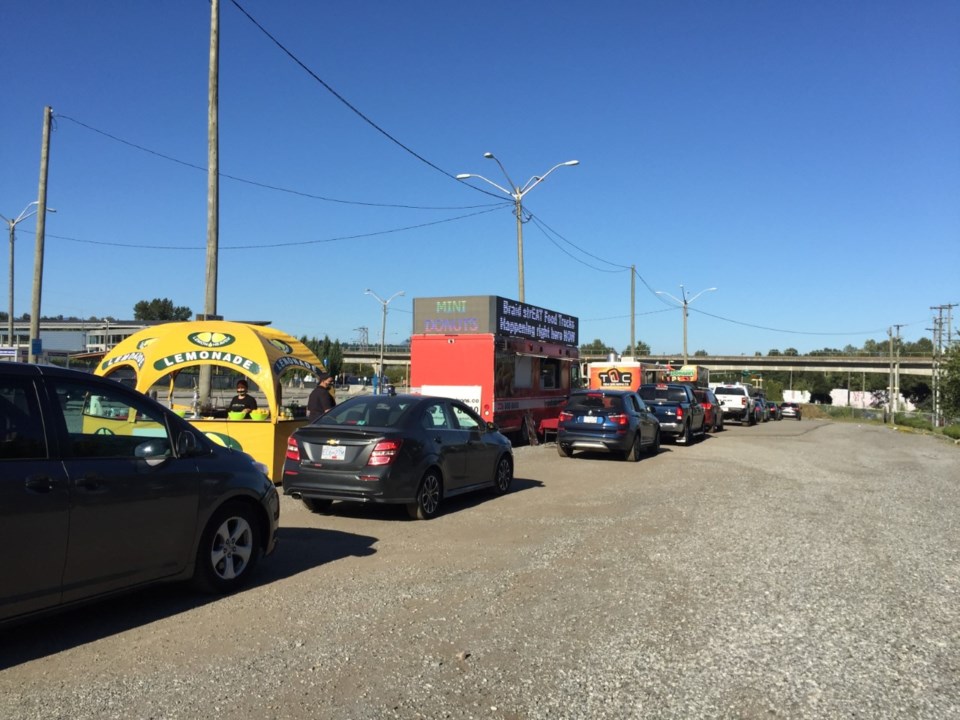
{"x":633,"y":309}
{"x":213,"y":184}
{"x":896,"y":371}
{"x":41,"y":230}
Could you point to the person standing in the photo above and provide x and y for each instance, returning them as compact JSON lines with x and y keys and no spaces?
{"x":321,"y":400}
{"x":242,"y":401}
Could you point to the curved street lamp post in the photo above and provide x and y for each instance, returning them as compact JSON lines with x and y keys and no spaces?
{"x":28,"y":211}
{"x":685,"y":303}
{"x":383,"y":330}
{"x":517,"y":193}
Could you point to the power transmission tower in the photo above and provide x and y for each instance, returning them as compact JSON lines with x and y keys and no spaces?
{"x":364,"y":338}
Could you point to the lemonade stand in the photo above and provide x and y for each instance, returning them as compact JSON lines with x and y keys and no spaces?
{"x":157,"y":356}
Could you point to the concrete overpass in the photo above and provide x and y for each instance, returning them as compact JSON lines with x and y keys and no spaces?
{"x":874,"y":364}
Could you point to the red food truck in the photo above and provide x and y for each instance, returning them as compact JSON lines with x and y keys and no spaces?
{"x":511,"y":362}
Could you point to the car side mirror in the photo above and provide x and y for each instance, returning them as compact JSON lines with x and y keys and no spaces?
{"x":154,"y":451}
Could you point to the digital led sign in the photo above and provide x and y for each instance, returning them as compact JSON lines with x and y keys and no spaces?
{"x":475,"y":314}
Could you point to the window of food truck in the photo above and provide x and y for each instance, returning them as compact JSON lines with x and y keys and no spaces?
{"x":549,"y":374}
{"x":523,"y":373}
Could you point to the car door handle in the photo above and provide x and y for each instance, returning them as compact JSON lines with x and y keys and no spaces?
{"x":40,"y":484}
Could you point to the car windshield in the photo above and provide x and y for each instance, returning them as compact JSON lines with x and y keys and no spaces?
{"x":592,"y":402}
{"x":373,"y":410}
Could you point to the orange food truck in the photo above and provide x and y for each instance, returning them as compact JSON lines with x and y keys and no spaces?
{"x":624,"y":374}
{"x":157,"y":355}
{"x":511,"y":362}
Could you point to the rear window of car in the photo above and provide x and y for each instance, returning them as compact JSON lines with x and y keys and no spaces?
{"x":595,"y":401}
{"x":670,"y":394}
{"x":730,"y":391}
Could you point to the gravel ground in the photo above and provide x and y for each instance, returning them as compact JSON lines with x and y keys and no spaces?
{"x":794,"y":570}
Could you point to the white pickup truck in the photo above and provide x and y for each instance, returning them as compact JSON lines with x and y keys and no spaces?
{"x":736,"y":399}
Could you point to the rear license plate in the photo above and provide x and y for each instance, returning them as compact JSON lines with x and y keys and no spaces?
{"x":333,"y":452}
{"x":592,"y":419}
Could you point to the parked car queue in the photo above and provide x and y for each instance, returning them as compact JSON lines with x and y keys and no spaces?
{"x":76,"y":477}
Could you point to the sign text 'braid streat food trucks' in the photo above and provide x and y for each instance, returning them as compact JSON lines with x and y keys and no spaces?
{"x":511,"y":362}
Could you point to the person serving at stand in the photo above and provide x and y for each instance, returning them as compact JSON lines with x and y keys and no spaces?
{"x":242,"y":401}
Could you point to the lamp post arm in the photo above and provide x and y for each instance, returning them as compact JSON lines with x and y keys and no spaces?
{"x":491,"y":156}
{"x":466,"y":176}
{"x":679,"y":302}
{"x":537,"y":179}
{"x":699,"y":294}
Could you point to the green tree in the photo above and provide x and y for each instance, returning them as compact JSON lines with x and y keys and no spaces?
{"x":597,"y":347}
{"x":701,"y":353}
{"x":791,"y":352}
{"x":640,"y":350}
{"x":950,"y":382}
{"x":160,"y":309}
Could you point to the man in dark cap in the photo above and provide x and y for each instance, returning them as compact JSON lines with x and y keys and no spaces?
{"x":320,"y":400}
{"x":242,"y":401}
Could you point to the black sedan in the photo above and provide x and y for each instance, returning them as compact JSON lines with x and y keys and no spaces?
{"x":615,"y":421}
{"x":408,"y":449}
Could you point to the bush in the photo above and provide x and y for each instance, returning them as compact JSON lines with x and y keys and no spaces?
{"x":913,"y":421}
{"x":952,"y":431}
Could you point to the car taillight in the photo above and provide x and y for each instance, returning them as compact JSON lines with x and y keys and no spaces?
{"x":619,"y":419}
{"x":384,"y":452}
{"x":293,"y":450}
{"x":743,"y":402}
{"x":564,"y":416}
{"x":679,"y":413}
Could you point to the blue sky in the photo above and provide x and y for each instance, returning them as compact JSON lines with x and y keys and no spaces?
{"x":803,"y":158}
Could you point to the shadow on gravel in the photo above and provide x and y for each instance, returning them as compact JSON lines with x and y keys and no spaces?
{"x":449,"y":506}
{"x":299,"y":549}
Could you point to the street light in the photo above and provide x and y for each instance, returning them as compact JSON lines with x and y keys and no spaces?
{"x":28,"y":211}
{"x":517,"y":192}
{"x":685,"y":303}
{"x":383,"y":329}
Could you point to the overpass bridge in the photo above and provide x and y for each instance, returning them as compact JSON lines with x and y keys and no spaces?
{"x":874,"y":364}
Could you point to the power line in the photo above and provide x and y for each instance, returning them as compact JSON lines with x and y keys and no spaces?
{"x":267,"y":186}
{"x":798,"y":332}
{"x":359,"y":236}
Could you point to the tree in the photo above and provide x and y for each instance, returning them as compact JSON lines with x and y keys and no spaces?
{"x":701,"y":353}
{"x":950,"y":382}
{"x":597,"y":347}
{"x":163,"y":310}
{"x":640,"y":350}
{"x":791,"y":352}
{"x":773,"y":353}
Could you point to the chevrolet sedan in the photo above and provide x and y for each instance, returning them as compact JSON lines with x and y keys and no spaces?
{"x":411,"y":450}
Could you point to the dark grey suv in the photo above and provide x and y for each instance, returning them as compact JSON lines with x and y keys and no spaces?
{"x":103,"y":489}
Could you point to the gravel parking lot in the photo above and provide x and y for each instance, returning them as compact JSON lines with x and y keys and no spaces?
{"x":793,"y":569}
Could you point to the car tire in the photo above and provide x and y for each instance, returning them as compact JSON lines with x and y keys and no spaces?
{"x":633,"y":454}
{"x":229,"y":549}
{"x":687,"y":436}
{"x":655,"y":445}
{"x":564,"y":450}
{"x":503,"y":476}
{"x":429,"y":495}
{"x":317,"y":505}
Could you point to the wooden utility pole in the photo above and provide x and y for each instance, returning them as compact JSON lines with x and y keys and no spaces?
{"x":633,"y":309}
{"x":213,"y":184}
{"x":41,"y":229}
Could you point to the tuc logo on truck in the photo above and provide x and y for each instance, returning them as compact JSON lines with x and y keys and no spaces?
{"x":211,"y":339}
{"x":614,"y":377}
